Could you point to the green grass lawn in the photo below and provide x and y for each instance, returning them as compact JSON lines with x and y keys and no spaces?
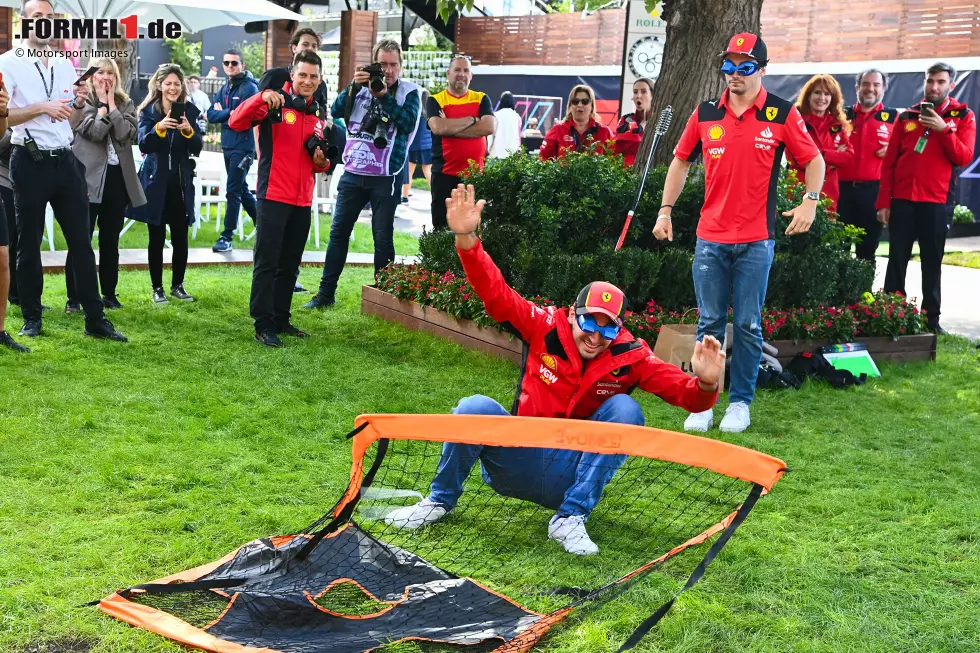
{"x":963,"y":259}
{"x":123,"y":463}
{"x":137,"y":237}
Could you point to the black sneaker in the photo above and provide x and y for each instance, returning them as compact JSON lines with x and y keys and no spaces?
{"x":299,"y":287}
{"x":111,"y":303}
{"x":179,"y":293}
{"x":14,"y":299}
{"x":31,"y":328}
{"x":10,"y":343}
{"x":404,"y":200}
{"x":268,"y":338}
{"x":103,"y":328}
{"x":223,"y":245}
{"x":72,"y":306}
{"x":938,"y":330}
{"x":158,"y":296}
{"x":319,"y":301}
{"x":292,"y":330}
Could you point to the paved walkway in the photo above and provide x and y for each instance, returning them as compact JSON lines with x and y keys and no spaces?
{"x":961,"y":293}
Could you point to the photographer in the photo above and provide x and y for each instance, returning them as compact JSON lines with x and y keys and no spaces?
{"x":931,"y":140}
{"x":382,"y":114}
{"x":293,"y":148}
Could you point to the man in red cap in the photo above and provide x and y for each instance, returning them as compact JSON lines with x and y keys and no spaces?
{"x":741,"y":138}
{"x":579,"y":363}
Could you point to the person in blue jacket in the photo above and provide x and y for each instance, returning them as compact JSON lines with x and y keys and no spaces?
{"x":238,"y":147}
{"x":167,"y":175}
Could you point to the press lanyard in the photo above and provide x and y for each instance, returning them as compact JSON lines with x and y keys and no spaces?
{"x":47,"y":90}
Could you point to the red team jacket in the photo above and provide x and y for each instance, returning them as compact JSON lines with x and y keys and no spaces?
{"x":553,"y":382}
{"x":284,"y":158}
{"x":928,"y":176}
{"x":629,"y":134}
{"x":872,"y":129}
{"x":827,"y":134}
{"x":563,"y":138}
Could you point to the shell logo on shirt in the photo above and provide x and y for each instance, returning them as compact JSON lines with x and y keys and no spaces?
{"x":910,"y":126}
{"x":549,"y":360}
{"x":289,"y":117}
{"x":715,"y":132}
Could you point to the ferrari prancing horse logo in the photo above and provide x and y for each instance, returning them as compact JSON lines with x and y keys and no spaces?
{"x":607,"y":297}
{"x":772,"y":112}
{"x":740,"y":42}
{"x":884,"y":115}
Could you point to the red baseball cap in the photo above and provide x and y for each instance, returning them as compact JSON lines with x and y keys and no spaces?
{"x":751,"y":45}
{"x":602,"y":297}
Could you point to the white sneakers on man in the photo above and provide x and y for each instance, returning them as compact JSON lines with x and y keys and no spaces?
{"x":736,"y":418}
{"x":421,"y":514}
{"x":570,"y":532}
{"x":700,"y":422}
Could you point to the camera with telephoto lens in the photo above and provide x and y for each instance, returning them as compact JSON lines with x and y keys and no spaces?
{"x":376,"y":124}
{"x":377,"y":83}
{"x":330,"y":151}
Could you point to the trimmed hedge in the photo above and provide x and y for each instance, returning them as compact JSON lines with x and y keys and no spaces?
{"x":552,"y":226}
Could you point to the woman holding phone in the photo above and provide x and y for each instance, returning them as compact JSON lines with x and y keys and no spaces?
{"x":103,"y":142}
{"x":169,"y":135}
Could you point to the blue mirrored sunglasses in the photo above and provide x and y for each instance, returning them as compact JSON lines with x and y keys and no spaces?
{"x":745,"y":69}
{"x":588,"y":324}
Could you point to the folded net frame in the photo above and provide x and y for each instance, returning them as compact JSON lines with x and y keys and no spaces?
{"x":486,"y":575}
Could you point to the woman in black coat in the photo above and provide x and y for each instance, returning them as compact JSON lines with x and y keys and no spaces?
{"x":167,"y":175}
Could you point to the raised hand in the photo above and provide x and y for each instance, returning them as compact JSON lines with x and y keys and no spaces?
{"x":708,"y":360}
{"x":167,"y":123}
{"x":463,"y":211}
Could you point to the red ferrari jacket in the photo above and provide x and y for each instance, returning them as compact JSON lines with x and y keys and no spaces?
{"x":554,"y":381}
{"x":872,"y":129}
{"x":286,"y":169}
{"x":629,"y":134}
{"x":828,"y":134}
{"x":930,"y":175}
{"x":563,"y":137}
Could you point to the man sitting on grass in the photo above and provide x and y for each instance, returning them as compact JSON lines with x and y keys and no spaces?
{"x":580,"y":363}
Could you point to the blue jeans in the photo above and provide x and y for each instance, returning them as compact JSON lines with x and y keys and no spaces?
{"x":353,"y":194}
{"x":569,"y":482}
{"x":237,"y":192}
{"x":739,"y":273}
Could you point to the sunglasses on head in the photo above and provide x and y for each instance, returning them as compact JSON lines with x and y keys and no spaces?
{"x":588,"y":324}
{"x":231,"y":64}
{"x":745,"y":69}
{"x":578,"y":101}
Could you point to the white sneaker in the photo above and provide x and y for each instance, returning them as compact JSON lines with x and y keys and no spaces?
{"x":736,"y":418}
{"x":570,"y":531}
{"x":700,"y":422}
{"x":421,"y":514}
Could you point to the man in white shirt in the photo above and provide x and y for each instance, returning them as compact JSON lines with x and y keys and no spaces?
{"x":199,"y":98}
{"x":44,"y":107}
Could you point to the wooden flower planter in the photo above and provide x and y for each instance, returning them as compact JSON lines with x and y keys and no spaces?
{"x":492,"y":341}
{"x":425,"y":318}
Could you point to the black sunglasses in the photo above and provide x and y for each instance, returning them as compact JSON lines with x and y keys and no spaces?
{"x":578,"y":101}
{"x":230,"y":63}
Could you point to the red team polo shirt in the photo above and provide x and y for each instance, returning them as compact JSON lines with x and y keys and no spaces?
{"x":742,"y":156}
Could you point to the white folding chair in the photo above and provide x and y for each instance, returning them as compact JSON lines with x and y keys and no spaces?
{"x":326,"y":203}
{"x":208,"y":193}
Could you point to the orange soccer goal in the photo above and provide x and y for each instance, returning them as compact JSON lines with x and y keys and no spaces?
{"x":486,"y":575}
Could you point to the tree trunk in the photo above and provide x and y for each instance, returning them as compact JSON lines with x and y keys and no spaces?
{"x":697,"y":30}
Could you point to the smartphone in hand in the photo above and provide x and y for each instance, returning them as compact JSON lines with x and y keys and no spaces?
{"x":927,"y":106}
{"x":86,"y":75}
{"x":177,"y":110}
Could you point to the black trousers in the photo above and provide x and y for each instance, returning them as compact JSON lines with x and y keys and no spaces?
{"x":927,"y":222}
{"x":281,"y":233}
{"x":856,"y":206}
{"x":59,"y":181}
{"x":109,"y":215}
{"x":174,"y":215}
{"x":442,"y":187}
{"x":9,"y":238}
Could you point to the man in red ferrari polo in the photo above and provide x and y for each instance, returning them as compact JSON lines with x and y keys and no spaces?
{"x":579,"y":363}
{"x":873,"y":123}
{"x":918,"y":180}
{"x":741,"y":138}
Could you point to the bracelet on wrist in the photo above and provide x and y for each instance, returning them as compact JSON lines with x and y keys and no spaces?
{"x":666,"y":206}
{"x":663,"y":217}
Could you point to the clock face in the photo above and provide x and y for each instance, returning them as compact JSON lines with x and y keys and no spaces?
{"x":645,"y":57}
